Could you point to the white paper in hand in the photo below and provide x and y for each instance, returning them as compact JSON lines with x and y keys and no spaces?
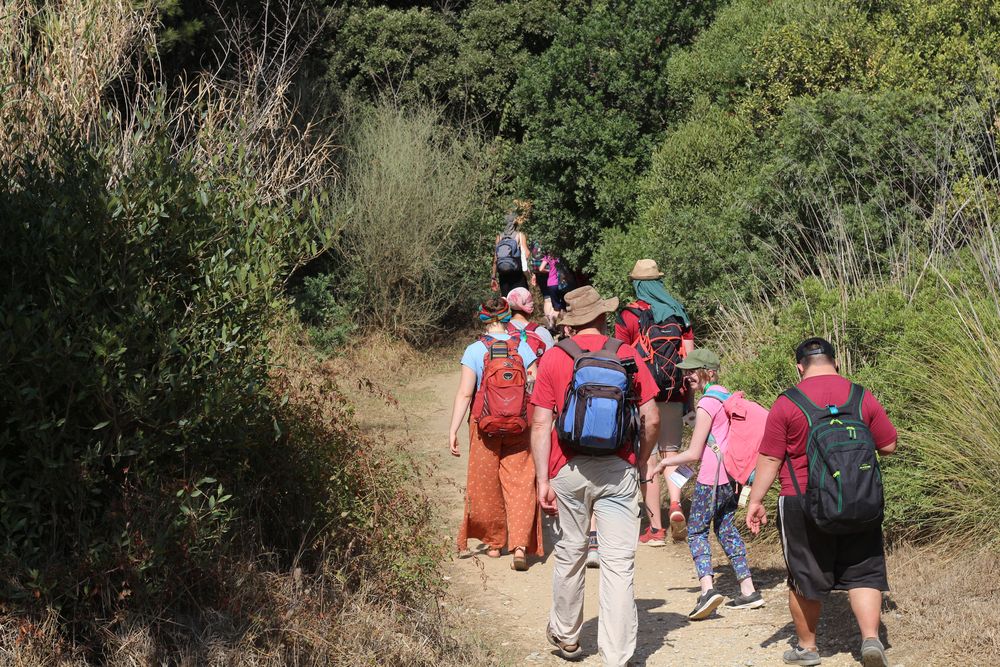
{"x":681,"y":475}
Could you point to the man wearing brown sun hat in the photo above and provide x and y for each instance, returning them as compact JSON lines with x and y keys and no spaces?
{"x":577,"y":476}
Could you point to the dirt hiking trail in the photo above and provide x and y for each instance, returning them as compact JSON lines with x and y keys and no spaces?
{"x":510,"y":609}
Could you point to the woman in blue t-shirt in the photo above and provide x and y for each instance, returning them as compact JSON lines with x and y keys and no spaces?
{"x":501,"y":507}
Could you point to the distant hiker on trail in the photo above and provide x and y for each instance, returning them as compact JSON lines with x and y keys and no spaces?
{"x":560,"y":281}
{"x":522,"y":305}
{"x":831,"y":505}
{"x":659,"y":328}
{"x":714,"y":500}
{"x":587,"y":465}
{"x":510,"y":256}
{"x":500,"y":502}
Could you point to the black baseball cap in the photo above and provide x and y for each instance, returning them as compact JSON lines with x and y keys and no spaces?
{"x":825,"y":348}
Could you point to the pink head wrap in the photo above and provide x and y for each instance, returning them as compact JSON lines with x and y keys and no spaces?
{"x":520,"y":299}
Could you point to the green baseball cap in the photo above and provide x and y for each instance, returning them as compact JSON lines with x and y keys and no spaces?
{"x":700,"y":358}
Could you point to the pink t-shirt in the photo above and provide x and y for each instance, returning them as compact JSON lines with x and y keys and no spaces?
{"x":720,"y":432}
{"x":553,"y":266}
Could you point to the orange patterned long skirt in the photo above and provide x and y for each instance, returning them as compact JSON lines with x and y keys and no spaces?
{"x":501,"y":503}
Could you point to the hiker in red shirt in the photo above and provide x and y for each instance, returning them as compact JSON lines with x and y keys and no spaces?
{"x":587,"y":465}
{"x":658,"y":318}
{"x":830,"y":511}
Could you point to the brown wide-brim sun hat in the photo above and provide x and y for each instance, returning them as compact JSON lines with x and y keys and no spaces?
{"x":645,"y":269}
{"x":585,"y":305}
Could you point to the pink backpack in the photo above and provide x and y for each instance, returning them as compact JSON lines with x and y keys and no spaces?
{"x":746,"y":431}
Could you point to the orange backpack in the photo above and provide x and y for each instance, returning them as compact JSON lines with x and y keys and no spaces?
{"x":501,"y":405}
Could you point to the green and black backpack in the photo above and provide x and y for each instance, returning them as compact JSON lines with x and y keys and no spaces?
{"x":844,"y":491}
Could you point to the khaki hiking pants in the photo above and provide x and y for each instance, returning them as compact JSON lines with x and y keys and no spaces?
{"x":608,"y":486}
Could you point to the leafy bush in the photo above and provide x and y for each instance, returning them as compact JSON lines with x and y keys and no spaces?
{"x":589,"y":110}
{"x":167,"y":453}
{"x":329,"y":322}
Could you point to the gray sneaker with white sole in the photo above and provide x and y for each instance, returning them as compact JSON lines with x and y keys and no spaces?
{"x":873,"y":653}
{"x":800,"y":656}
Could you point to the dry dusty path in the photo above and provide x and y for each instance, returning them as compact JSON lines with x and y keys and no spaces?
{"x":511,"y":608}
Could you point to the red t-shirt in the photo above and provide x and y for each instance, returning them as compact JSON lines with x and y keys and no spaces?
{"x":627,"y":330}
{"x":555,"y":372}
{"x":787,"y":428}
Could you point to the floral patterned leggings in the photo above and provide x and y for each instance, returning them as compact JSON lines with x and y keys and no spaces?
{"x":702,"y":516}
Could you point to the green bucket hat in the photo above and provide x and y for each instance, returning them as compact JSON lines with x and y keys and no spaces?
{"x":700,"y":358}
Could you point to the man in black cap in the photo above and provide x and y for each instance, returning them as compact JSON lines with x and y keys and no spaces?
{"x":821,"y":557}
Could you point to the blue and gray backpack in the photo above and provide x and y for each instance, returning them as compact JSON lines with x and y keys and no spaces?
{"x":599,"y":416}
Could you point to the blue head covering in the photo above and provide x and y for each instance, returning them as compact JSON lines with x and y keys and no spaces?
{"x":662,"y":303}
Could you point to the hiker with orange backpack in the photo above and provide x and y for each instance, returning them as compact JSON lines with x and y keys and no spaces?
{"x":657,"y":325}
{"x":522,"y":305}
{"x":715,"y":498}
{"x":500,"y":498}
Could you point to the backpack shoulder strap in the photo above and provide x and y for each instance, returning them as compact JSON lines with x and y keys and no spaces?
{"x":531,"y":326}
{"x":803,"y":403}
{"x":720,"y":396}
{"x":570,"y":347}
{"x":855,"y":400}
{"x":612,"y":345}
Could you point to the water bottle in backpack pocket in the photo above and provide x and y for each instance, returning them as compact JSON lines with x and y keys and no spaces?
{"x":844,"y":491}
{"x":599,"y":416}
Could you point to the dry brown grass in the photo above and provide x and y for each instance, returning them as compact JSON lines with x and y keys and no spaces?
{"x":944,"y":604}
{"x":59,"y":59}
{"x":294,"y":624}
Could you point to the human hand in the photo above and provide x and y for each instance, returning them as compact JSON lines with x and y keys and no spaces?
{"x":756,"y":516}
{"x":495,"y":285}
{"x":547,"y":499}
{"x":453,"y":444}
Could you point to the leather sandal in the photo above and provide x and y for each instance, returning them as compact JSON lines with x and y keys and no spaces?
{"x":520,"y":562}
{"x":565,"y":650}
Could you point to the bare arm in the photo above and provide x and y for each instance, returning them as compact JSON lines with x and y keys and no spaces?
{"x":463,"y":398}
{"x":541,"y":445}
{"x":522,"y":238}
{"x":886,"y":450}
{"x":688,"y":346}
{"x":767,"y":472}
{"x":702,"y":427}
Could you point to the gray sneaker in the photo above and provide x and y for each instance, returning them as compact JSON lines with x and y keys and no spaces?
{"x":799,"y":656}
{"x":873,"y":653}
{"x":707,"y":603}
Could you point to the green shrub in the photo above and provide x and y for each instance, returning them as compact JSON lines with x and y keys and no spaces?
{"x":135,"y":360}
{"x":329,"y":323}
{"x":588,"y":111}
